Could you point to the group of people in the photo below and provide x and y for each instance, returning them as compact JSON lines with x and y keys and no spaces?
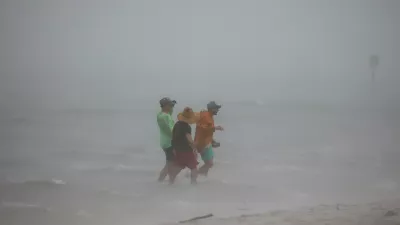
{"x":176,"y":139}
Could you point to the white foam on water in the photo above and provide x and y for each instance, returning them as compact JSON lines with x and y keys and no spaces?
{"x":60,"y":182}
{"x":21,"y":205}
{"x":38,"y":182}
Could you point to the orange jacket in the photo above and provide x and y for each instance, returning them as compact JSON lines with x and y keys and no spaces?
{"x":204,"y":130}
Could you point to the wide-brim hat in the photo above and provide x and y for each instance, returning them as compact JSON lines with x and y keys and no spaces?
{"x":188,"y":116}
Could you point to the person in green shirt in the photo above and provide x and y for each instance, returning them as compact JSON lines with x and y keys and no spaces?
{"x":165,"y":125}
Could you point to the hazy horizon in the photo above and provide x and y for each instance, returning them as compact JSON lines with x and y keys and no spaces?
{"x":106,"y":54}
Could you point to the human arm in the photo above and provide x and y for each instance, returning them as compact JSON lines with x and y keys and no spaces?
{"x":208,"y":126}
{"x":190,"y":141}
{"x":190,"y":138}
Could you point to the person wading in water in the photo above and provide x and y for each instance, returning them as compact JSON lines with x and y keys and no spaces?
{"x":204,"y":140}
{"x":184,"y":148}
{"x":165,"y":125}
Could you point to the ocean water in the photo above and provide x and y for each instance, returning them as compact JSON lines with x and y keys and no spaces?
{"x":101,"y":166}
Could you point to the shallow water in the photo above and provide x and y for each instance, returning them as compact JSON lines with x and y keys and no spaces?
{"x":100,"y":167}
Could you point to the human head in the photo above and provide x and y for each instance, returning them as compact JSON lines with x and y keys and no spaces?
{"x":167,"y":105}
{"x":213,"y":107}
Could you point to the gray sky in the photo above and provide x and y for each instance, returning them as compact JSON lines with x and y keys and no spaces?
{"x":103,"y":53}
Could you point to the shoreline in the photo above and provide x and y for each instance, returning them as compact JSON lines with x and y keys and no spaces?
{"x":385,"y":212}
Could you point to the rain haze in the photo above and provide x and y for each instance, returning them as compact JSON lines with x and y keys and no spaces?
{"x":310,"y":94}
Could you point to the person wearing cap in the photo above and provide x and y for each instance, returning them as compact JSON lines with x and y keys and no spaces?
{"x":165,"y":125}
{"x":204,"y":141}
{"x":183,"y":144}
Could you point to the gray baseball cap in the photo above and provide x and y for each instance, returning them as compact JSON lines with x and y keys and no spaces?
{"x":213,"y":105}
{"x":167,"y":101}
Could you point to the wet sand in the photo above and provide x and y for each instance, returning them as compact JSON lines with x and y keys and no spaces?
{"x":379,"y":213}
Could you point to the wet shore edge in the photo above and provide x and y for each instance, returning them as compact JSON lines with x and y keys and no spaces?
{"x":385,"y":212}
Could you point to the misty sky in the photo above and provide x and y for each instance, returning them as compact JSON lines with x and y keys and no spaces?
{"x":103,"y":53}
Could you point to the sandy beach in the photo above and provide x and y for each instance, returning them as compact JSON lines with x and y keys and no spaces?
{"x":378,"y":213}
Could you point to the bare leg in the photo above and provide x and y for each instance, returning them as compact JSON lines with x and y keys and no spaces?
{"x":163,"y":173}
{"x":206,"y":167}
{"x":175,"y":170}
{"x":202,"y":169}
{"x":193,"y":175}
{"x":170,"y":165}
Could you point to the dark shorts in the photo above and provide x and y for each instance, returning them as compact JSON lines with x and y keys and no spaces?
{"x":186,"y":159}
{"x":169,"y":153}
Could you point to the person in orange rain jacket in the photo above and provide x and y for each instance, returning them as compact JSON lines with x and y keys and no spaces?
{"x":203,"y":139}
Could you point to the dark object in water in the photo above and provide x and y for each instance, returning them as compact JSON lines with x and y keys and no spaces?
{"x":215,"y":144}
{"x":197,"y":218}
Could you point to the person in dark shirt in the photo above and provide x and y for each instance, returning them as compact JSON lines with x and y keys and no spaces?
{"x":182,"y":142}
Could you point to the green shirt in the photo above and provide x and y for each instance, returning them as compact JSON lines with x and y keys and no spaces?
{"x":165,"y":124}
